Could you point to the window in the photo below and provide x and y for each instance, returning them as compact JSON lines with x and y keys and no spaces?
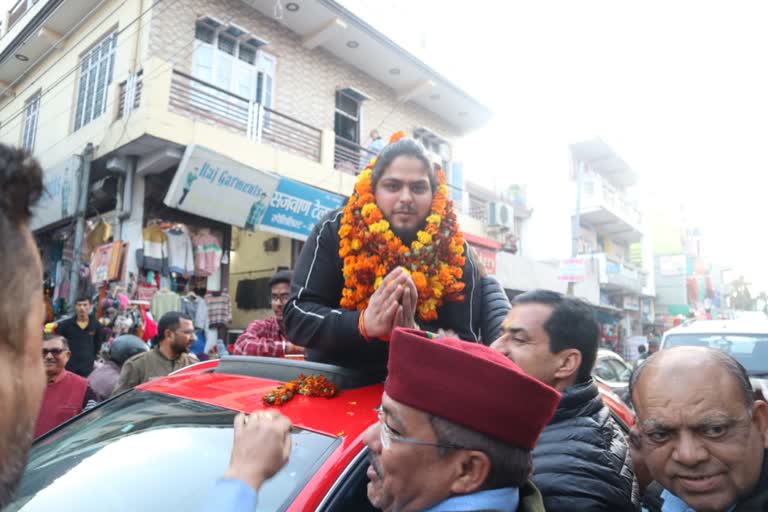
{"x":140,"y":438}
{"x":96,"y":69}
{"x":31,"y":110}
{"x":347,"y":120}
{"x":233,"y":65}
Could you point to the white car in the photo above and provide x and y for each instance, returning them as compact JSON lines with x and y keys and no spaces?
{"x":746,"y":341}
{"x":611,"y":368}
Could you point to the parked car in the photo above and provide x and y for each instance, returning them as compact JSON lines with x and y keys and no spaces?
{"x":614,"y":371}
{"x":745,"y":340}
{"x":162,"y":445}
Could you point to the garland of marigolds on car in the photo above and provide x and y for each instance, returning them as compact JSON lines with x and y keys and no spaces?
{"x":370,"y":249}
{"x":305,"y":385}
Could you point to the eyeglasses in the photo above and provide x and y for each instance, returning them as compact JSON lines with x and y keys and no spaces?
{"x":55,"y":352}
{"x":387,"y":436}
{"x":283,"y":298}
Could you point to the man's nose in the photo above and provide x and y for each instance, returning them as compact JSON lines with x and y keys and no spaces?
{"x":372,"y":438}
{"x":690,"y":450}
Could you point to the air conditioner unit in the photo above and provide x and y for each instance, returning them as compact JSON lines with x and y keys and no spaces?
{"x":501,"y":214}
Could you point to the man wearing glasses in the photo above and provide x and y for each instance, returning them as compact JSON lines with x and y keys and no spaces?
{"x":170,"y":352}
{"x":457,"y":443}
{"x":66,"y":394}
{"x":266,"y":337}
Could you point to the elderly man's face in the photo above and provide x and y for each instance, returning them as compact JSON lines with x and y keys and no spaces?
{"x":55,"y":356}
{"x":697,"y":436}
{"x":406,"y":476}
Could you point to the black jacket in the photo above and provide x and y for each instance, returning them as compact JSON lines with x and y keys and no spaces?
{"x":314,"y":319}
{"x":582,"y":460}
{"x":495,"y":308}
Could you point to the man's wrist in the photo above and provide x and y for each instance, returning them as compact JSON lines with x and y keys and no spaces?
{"x":255,"y":482}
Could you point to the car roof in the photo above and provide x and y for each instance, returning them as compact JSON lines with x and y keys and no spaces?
{"x":605,"y":352}
{"x":221,"y":384}
{"x":720,"y":326}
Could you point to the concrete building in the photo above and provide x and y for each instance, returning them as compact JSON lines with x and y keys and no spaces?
{"x":198,"y":110}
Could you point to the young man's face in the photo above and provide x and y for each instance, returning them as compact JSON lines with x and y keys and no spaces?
{"x":404,"y":195}
{"x":183,"y":337}
{"x":83,"y":309}
{"x":279,"y":297}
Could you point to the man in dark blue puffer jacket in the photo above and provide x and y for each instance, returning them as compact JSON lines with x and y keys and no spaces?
{"x":582,"y":460}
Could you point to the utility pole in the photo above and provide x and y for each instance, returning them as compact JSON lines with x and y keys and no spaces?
{"x":81,"y":213}
{"x":576,"y":221}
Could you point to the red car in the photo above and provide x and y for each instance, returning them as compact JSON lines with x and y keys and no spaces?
{"x":162,"y":445}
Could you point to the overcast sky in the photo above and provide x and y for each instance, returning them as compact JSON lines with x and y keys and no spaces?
{"x":679,"y":89}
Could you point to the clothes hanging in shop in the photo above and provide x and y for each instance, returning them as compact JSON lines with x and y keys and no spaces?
{"x":165,"y":301}
{"x":196,"y":308}
{"x":219,"y":308}
{"x":252,"y":293}
{"x":153,"y":253}
{"x":180,"y":254}
{"x":207,"y":253}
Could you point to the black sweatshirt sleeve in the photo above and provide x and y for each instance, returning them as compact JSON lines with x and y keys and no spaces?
{"x":313,"y":317}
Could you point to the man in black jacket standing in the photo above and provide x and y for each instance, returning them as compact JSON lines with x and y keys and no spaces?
{"x":403,"y":185}
{"x":582,"y":460}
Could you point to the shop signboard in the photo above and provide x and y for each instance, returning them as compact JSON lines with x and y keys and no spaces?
{"x":487,"y":258}
{"x":295,"y":208}
{"x":572,"y":270}
{"x":673,"y":265}
{"x":214,"y":186}
{"x":59,"y":200}
{"x":632,"y":303}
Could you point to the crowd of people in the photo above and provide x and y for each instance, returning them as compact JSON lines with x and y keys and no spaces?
{"x":487,"y":404}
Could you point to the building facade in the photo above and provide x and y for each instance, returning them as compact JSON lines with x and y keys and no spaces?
{"x":227,"y":126}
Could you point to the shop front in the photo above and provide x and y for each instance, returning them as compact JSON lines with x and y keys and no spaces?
{"x":238,"y":225}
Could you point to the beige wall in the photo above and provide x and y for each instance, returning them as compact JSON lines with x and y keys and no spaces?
{"x":250,"y":261}
{"x":55,"y":139}
{"x":306,"y":79}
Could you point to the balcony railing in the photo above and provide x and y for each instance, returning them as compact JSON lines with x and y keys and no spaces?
{"x":261,"y":124}
{"x":350,"y":157}
{"x":599,"y":193}
{"x":18,"y":10}
{"x":130,"y":94}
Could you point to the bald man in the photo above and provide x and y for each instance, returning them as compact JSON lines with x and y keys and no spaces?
{"x":700,"y":432}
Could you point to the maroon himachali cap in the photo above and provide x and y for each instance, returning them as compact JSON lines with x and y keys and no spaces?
{"x":469,"y":384}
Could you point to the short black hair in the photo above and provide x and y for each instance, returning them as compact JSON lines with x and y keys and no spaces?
{"x":21,"y":186}
{"x":572,"y":324}
{"x":170,"y":320}
{"x":402,"y":147}
{"x":84,"y":298}
{"x":281,"y":276}
{"x":641,"y":349}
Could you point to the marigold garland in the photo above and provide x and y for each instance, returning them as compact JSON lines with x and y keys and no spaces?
{"x":370,"y":250}
{"x":305,"y":385}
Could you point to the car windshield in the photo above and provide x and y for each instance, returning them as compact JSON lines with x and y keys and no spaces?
{"x":751,"y":350}
{"x":147,"y":452}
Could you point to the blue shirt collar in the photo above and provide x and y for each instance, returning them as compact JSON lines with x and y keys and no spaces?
{"x":674,"y":504}
{"x":504,"y":499}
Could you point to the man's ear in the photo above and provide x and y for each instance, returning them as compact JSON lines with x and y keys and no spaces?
{"x":570,"y":361}
{"x":472,"y":470}
{"x":760,"y":419}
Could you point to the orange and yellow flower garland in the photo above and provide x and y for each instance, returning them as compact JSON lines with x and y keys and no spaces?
{"x":305,"y":385}
{"x":370,"y":250}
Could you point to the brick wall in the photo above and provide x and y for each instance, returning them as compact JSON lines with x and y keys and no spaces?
{"x":306,"y":80}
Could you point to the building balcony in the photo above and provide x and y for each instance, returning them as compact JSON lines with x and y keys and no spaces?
{"x":204,"y":101}
{"x":33,"y":28}
{"x":619,"y":276}
{"x":349,"y":157}
{"x":608,"y":211}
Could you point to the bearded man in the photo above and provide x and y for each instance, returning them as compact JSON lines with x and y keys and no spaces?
{"x":393,"y":257}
